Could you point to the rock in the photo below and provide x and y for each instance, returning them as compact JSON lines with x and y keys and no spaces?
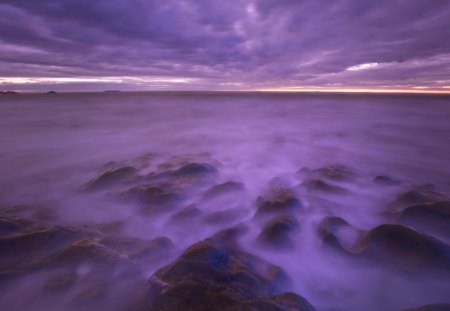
{"x":189,"y":213}
{"x":110,"y":177}
{"x":61,"y":281}
{"x":421,"y":195}
{"x":85,"y":251}
{"x":279,"y":201}
{"x":433,"y":218}
{"x":277,"y":233}
{"x":433,"y":307}
{"x":51,"y":92}
{"x":210,"y":276}
{"x":195,"y":169}
{"x":293,"y":302}
{"x":157,"y":250}
{"x":335,"y":172}
{"x":404,"y":247}
{"x":383,"y":180}
{"x":317,"y":185}
{"x":230,"y":236}
{"x":328,"y":230}
{"x":227,"y":188}
{"x":226,"y":216}
{"x":25,"y":250}
{"x":153,"y":198}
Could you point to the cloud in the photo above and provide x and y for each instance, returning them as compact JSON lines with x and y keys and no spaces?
{"x":227,"y":44}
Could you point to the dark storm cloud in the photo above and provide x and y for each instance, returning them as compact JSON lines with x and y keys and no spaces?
{"x":242,"y":43}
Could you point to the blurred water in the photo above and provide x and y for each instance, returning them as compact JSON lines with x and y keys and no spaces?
{"x":50,"y":145}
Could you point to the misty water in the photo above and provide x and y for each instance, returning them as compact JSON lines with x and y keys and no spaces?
{"x":51,"y":146}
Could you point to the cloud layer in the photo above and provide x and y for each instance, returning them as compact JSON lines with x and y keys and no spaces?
{"x":216,"y":44}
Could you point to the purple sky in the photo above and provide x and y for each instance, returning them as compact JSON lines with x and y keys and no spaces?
{"x":224,"y":45}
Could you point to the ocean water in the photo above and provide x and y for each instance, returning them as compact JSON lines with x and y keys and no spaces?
{"x":52,"y":145}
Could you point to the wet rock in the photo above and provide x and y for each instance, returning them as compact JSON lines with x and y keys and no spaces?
{"x":157,"y":250}
{"x":231,"y":235}
{"x":224,"y":189}
{"x":27,"y":249}
{"x":210,"y":276}
{"x":85,"y":251}
{"x":110,"y":228}
{"x":110,"y":177}
{"x":195,"y":169}
{"x":335,"y":172}
{"x":293,"y":302}
{"x":433,"y":307}
{"x":384,"y":180}
{"x":61,"y":281}
{"x":279,"y":201}
{"x":278,"y":233}
{"x":226,"y":216}
{"x":153,"y":198}
{"x":188,"y":213}
{"x":422,"y":195}
{"x":328,"y":230}
{"x":404,"y":247}
{"x":433,"y":218}
{"x":317,"y":185}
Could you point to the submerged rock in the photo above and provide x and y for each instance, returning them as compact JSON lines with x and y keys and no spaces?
{"x":188,"y":213}
{"x":317,"y":185}
{"x":225,"y":216}
{"x":384,"y":180}
{"x":431,"y":218}
{"x":421,"y":195}
{"x":210,"y":276}
{"x":279,"y":201}
{"x":110,"y":177}
{"x":433,"y":307}
{"x":335,"y":172}
{"x":328,"y":230}
{"x":404,"y":247}
{"x":224,"y":189}
{"x":277,"y":233}
{"x":153,"y":198}
{"x":195,"y":170}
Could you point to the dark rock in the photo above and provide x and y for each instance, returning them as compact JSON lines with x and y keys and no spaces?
{"x":110,"y":177}
{"x":422,"y":195}
{"x":210,"y":276}
{"x":293,"y":302}
{"x":317,"y":185}
{"x":328,"y":230}
{"x":433,"y":218}
{"x":226,"y":216}
{"x":51,"y":92}
{"x":279,"y":201}
{"x":383,"y":180}
{"x":195,"y":169}
{"x":404,"y":247}
{"x":157,"y":250}
{"x":85,"y":251}
{"x":188,"y":213}
{"x":333,"y":172}
{"x":433,"y":307}
{"x":153,"y":198}
{"x":278,"y":233}
{"x":227,"y":188}
{"x":61,"y":281}
{"x":230,"y":236}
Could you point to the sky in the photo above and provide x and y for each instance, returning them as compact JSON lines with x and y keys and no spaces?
{"x":277,"y":45}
